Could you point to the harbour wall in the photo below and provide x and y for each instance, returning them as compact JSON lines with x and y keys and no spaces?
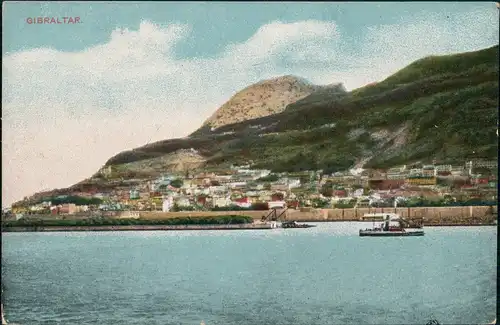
{"x":155,"y":215}
{"x":467,"y":215}
{"x":138,"y":228}
{"x":432,"y":215}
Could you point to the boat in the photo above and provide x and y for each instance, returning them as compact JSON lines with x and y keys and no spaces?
{"x":4,"y":322}
{"x":392,"y":226}
{"x":293,"y":224}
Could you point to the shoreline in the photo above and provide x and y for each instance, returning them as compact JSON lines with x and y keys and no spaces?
{"x":137,"y":228}
{"x":195,"y":227}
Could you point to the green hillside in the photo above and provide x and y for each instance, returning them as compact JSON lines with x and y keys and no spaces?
{"x":439,"y":107}
{"x":450,"y":104}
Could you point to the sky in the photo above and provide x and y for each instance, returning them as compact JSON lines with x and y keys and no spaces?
{"x":74,"y":95}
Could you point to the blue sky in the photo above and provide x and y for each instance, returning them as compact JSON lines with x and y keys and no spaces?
{"x":214,"y":25}
{"x":131,"y":73}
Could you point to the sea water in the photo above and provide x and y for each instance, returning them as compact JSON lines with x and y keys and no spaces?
{"x":322,"y":275}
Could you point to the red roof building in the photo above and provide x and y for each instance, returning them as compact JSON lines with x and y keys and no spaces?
{"x":340,"y":193}
{"x":386,"y":184}
{"x":242,"y":200}
{"x":480,"y":180}
{"x":201,"y":200}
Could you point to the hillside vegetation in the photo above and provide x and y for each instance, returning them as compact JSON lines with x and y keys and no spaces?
{"x":443,"y":107}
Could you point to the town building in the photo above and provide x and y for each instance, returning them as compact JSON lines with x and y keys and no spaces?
{"x":183,"y":201}
{"x":428,"y":171}
{"x":237,"y":185}
{"x":482,"y":163}
{"x":218,"y":201}
{"x":419,"y":181}
{"x":396,"y":175}
{"x":279,"y":187}
{"x":443,"y":168}
{"x":385,"y":184}
{"x":67,"y":208}
{"x":416,"y":172}
{"x":168,"y":203}
{"x":457,"y":171}
{"x":243,"y":202}
{"x":276,"y":204}
{"x":134,"y":194}
{"x":480,"y":180}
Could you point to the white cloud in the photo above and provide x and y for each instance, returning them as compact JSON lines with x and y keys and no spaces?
{"x":66,"y":113}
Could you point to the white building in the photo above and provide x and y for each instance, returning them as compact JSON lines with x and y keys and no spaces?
{"x":396,"y":175}
{"x":276,"y":204}
{"x":358,"y":193}
{"x":242,"y":204}
{"x":237,"y":184}
{"x":224,"y":178}
{"x":165,"y":179}
{"x":83,"y":208}
{"x":202,"y":191}
{"x":480,"y":163}
{"x":99,"y":196}
{"x":416,"y":172}
{"x":259,"y":187}
{"x":293,"y":183}
{"x":221,"y":201}
{"x":443,"y":168}
{"x":183,"y":201}
{"x":278,"y":186}
{"x":217,"y":189}
{"x":162,"y":180}
{"x":260,"y":173}
{"x":168,"y":203}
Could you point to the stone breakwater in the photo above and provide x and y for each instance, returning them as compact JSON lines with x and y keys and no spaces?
{"x":439,"y":216}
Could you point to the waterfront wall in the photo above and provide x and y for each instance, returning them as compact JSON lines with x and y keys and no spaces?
{"x":431,"y":215}
{"x":138,"y":228}
{"x":155,"y":215}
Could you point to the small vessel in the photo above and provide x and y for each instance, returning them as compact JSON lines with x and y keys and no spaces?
{"x":392,"y":226}
{"x":4,"y":322}
{"x":293,"y":224}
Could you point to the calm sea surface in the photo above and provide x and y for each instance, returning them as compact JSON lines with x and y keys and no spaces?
{"x":323,"y":275}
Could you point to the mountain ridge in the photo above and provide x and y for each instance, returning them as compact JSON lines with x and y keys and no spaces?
{"x":264,"y":98}
{"x":438,"y":107}
{"x":311,"y":111}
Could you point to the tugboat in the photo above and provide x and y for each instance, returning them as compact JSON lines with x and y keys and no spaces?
{"x":388,"y":228}
{"x":4,"y":322}
{"x":293,"y":224}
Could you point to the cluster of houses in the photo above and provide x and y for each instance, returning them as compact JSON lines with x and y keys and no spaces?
{"x":431,"y":175}
{"x":244,"y":187}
